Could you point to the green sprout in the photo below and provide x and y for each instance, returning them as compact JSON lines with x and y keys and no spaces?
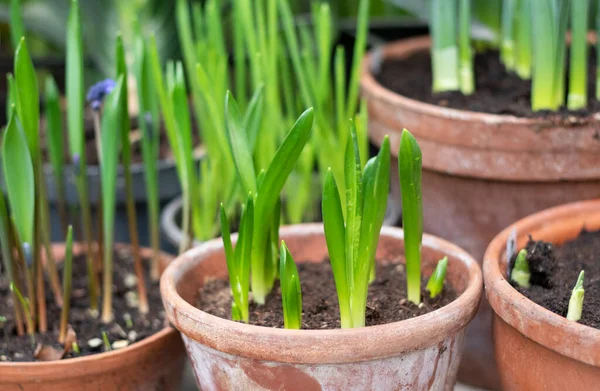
{"x":409,"y":170}
{"x":520,"y":272}
{"x":576,"y":301}
{"x":444,"y":52}
{"x":577,"y":98}
{"x":26,"y":310}
{"x":238,"y":260}
{"x":467,"y":78}
{"x":67,"y":283}
{"x":523,"y":54}
{"x":149,"y":122}
{"x":508,"y":44}
{"x":111,"y":126}
{"x":291,"y":293}
{"x":352,"y":241}
{"x":106,"y":341}
{"x":549,"y":25}
{"x":436,"y":281}
{"x":75,"y":347}
{"x":75,"y":128}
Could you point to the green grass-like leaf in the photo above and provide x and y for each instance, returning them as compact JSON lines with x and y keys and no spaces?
{"x":74,"y":82}
{"x":291,"y":292}
{"x":17,"y":30}
{"x":27,"y":101}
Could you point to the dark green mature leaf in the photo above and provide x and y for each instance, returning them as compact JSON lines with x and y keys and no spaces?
{"x":409,"y":169}
{"x":282,"y":165}
{"x":239,"y":144}
{"x":19,"y":178}
{"x":74,"y":81}
{"x":253,"y":116}
{"x":291,"y":292}
{"x":54,"y":127}
{"x":27,"y":102}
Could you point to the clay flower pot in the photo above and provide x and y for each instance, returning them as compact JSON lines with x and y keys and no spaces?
{"x":537,"y":349}
{"x":482,"y":172}
{"x":155,"y":363}
{"x":422,"y":353}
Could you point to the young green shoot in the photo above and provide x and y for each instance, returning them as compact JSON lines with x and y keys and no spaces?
{"x":409,"y":170}
{"x":67,"y":284}
{"x":17,"y":29}
{"x":523,"y":41}
{"x":291,"y":293}
{"x":238,"y":260}
{"x":125,"y":126}
{"x":436,"y":281}
{"x":111,"y":126}
{"x":467,"y":78}
{"x":75,"y":347}
{"x":576,"y":301}
{"x":106,"y":341}
{"x":26,"y":310}
{"x":520,"y":272}
{"x":444,"y":51}
{"x":508,"y":44}
{"x":352,"y":241}
{"x":75,"y":128}
{"x":577,"y":98}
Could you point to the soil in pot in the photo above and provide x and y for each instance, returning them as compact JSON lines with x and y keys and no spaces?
{"x":386,"y":302}
{"x":86,"y":326}
{"x":554,"y":271}
{"x":496,"y":90}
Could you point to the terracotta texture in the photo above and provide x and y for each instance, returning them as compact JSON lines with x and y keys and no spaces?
{"x":153,"y":364}
{"x":417,"y":354}
{"x":537,"y":349}
{"x":482,"y":172}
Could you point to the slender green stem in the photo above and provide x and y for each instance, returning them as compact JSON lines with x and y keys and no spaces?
{"x":524,"y":49}
{"x":444,"y":51}
{"x":26,"y":311}
{"x":577,"y":98}
{"x":467,"y":78}
{"x":507,"y":48}
{"x":67,"y":284}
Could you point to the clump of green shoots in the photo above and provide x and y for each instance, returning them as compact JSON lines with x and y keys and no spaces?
{"x":576,"y":301}
{"x":352,"y":241}
{"x":520,"y":272}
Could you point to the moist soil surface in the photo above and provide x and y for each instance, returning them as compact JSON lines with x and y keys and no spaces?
{"x":555,"y":269}
{"x":86,"y":326}
{"x":386,"y":300}
{"x":496,"y":90}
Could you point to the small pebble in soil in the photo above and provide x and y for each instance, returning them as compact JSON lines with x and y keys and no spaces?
{"x":120,"y":344}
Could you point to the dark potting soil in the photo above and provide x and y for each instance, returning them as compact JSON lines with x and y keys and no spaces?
{"x":496,"y":90}
{"x":555,"y":269}
{"x":386,"y":300}
{"x":86,"y":326}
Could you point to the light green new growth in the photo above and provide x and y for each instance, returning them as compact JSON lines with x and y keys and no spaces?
{"x":17,"y":29}
{"x":352,"y":241}
{"x":577,"y":98}
{"x":444,"y":51}
{"x":523,"y":53}
{"x":238,"y":260}
{"x":291,"y":293}
{"x":26,"y":311}
{"x":107,"y":347}
{"x":508,"y":44}
{"x":467,"y":78}
{"x":576,"y":301}
{"x":436,"y":281}
{"x":409,"y":170}
{"x":520,"y":272}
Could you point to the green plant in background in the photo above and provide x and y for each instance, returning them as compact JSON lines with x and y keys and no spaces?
{"x":577,"y":97}
{"x":576,"y":300}
{"x":352,"y":241}
{"x":436,"y":280}
{"x":238,"y":260}
{"x":291,"y":292}
{"x":409,"y":169}
{"x":67,"y":284}
{"x":520,"y":272}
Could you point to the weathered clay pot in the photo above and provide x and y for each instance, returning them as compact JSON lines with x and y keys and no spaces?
{"x":537,"y":349}
{"x":153,"y":364}
{"x":417,"y":354}
{"x":482,"y":172}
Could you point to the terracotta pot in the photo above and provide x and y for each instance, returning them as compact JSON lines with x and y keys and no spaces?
{"x":482,"y":172}
{"x":155,"y":363}
{"x":537,"y":349}
{"x":417,"y":354}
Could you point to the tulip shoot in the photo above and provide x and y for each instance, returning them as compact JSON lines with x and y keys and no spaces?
{"x":520,"y":273}
{"x":291,"y":293}
{"x":577,"y":98}
{"x":436,"y":281}
{"x":576,"y":301}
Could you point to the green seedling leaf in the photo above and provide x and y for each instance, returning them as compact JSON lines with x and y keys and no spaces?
{"x":19,"y":178}
{"x":291,"y":293}
{"x":27,"y":98}
{"x":576,"y":301}
{"x":54,"y":127}
{"x":107,"y":347}
{"x":26,"y":311}
{"x":239,"y":144}
{"x":520,"y":272}
{"x":74,"y":82}
{"x":253,"y":116}
{"x":409,"y":170}
{"x":11,"y":94}
{"x":436,"y":281}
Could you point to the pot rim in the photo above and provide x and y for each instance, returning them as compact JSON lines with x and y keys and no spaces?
{"x":87,"y":364}
{"x":319,"y":346}
{"x":398,"y":48}
{"x":565,"y":337}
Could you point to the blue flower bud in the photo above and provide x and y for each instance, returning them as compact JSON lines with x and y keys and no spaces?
{"x":98,"y":91}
